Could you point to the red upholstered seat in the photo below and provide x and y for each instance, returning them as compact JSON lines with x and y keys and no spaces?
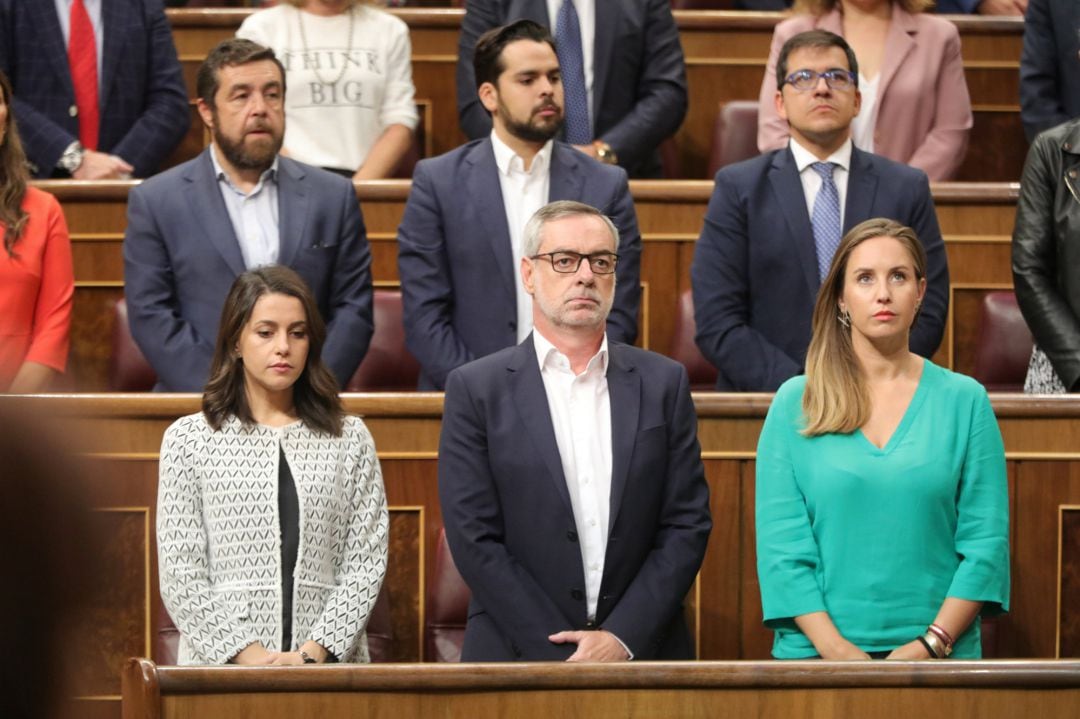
{"x":447,"y":608}
{"x":128,"y":369}
{"x":388,"y":366}
{"x":685,"y":350}
{"x":1004,"y":345}
{"x":734,"y":134}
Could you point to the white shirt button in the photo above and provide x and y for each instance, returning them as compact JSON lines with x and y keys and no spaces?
{"x":73,"y":110}
{"x":592,"y":522}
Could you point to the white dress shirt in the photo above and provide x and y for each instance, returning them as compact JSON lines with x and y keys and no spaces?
{"x":862,"y":127}
{"x":811,"y":181}
{"x":586,"y":12}
{"x":523,"y":192}
{"x":581,"y":417}
{"x":254,"y":215}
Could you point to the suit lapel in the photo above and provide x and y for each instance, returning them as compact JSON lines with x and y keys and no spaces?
{"x":624,"y":391}
{"x":208,"y":207}
{"x":862,"y":186}
{"x":566,"y":178}
{"x":44,"y":14}
{"x":482,"y":181}
{"x":293,"y":207}
{"x":608,"y":15}
{"x":112,"y":20}
{"x":899,"y":43}
{"x":531,"y":403}
{"x":789,"y":197}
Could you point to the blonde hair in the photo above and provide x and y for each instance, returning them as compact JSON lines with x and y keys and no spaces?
{"x":818,"y":8}
{"x":836,"y":398}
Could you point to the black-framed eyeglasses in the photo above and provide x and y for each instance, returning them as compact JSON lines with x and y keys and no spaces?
{"x":566,"y":262}
{"x":836,"y":79}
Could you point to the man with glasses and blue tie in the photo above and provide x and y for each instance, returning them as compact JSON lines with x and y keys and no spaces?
{"x":774,"y":222}
{"x":460,"y":237}
{"x":570,"y":475}
{"x":623,"y":71}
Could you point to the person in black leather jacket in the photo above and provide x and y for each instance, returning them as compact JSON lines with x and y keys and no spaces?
{"x":1046,"y":258}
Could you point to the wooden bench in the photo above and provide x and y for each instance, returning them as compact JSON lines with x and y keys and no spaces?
{"x":768,"y":690}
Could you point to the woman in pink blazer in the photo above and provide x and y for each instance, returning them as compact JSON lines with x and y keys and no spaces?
{"x":916,"y":108}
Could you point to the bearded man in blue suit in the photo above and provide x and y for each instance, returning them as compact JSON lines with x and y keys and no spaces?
{"x":193,"y":229}
{"x":460,"y":237}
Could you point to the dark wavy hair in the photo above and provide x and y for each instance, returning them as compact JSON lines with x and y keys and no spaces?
{"x":13,"y":175}
{"x":487,"y":57}
{"x":315,"y":393}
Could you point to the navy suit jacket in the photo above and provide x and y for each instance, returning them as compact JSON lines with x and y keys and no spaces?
{"x":144,"y":109}
{"x":181,"y":257}
{"x":755,"y":272}
{"x":510,"y":524}
{"x":639,"y":75}
{"x":1049,"y":65}
{"x":458,"y":277}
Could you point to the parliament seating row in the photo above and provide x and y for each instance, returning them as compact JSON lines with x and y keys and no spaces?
{"x":120,"y":435}
{"x":725,"y":59}
{"x":976,"y":221}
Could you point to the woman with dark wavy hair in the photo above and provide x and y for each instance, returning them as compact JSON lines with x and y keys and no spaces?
{"x":881,"y":502}
{"x":272,"y":521}
{"x":36,"y":277}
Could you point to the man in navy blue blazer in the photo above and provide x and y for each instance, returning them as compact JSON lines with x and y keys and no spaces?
{"x":570,"y":475}
{"x":1050,"y":65}
{"x":238,"y":205}
{"x":756,"y":268}
{"x":143,"y":108}
{"x":460,"y":236}
{"x":637,"y":95}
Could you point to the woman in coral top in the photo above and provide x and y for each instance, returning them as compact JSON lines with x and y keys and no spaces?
{"x":36,"y":279}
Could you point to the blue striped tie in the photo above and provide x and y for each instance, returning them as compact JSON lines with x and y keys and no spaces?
{"x":576,"y":100}
{"x":826,"y":217}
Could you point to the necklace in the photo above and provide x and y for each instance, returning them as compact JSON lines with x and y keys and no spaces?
{"x":348,"y":52}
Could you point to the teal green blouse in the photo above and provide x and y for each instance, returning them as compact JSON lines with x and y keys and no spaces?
{"x":878,"y":538}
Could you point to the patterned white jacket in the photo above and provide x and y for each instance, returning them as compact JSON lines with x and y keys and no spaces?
{"x":219,"y":543}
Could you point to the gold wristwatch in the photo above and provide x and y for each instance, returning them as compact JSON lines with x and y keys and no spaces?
{"x":604,"y":153}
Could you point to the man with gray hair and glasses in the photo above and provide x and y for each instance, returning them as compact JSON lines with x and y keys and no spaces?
{"x":570,"y":474}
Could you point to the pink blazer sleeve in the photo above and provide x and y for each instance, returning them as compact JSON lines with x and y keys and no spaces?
{"x":773,"y":129}
{"x":943,"y":148}
{"x":52,"y":313}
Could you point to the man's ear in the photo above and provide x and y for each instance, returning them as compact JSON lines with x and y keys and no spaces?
{"x":489,"y":96}
{"x":527,"y":274}
{"x":778,"y":99}
{"x":206,"y":113}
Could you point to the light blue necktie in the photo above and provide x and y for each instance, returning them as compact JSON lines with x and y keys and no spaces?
{"x":826,"y":217}
{"x":576,"y":100}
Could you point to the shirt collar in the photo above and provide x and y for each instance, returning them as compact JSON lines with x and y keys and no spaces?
{"x":509,"y":161}
{"x":547,"y":355}
{"x":270,"y":174}
{"x":804,"y":158}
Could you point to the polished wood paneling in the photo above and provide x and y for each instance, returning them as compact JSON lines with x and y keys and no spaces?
{"x":765,"y":690}
{"x":1069,"y":583}
{"x":725,"y":60}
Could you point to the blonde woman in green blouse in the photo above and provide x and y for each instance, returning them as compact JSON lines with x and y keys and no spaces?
{"x":882,"y":515}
